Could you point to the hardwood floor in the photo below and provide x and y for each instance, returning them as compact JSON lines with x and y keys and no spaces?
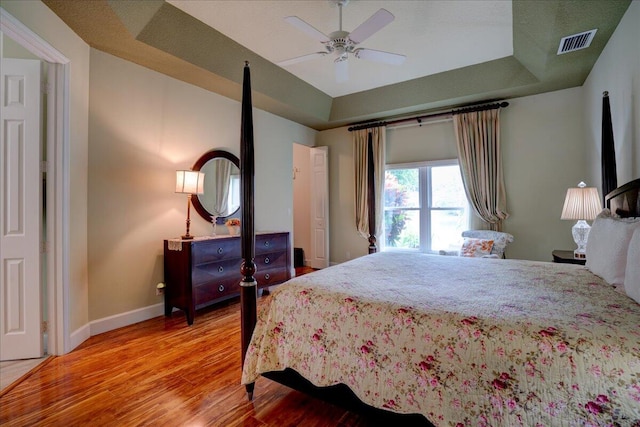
{"x":12,"y":371}
{"x":163,"y":372}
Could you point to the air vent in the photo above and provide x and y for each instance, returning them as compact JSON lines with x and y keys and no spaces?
{"x":576,"y":42}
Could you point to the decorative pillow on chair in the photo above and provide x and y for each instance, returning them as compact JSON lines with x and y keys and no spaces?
{"x":476,"y":247}
{"x":500,"y":239}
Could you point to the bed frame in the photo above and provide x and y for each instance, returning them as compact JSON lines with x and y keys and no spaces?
{"x":623,"y":201}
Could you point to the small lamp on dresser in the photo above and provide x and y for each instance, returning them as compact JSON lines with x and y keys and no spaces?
{"x":189,"y":183}
{"x":581,"y":203}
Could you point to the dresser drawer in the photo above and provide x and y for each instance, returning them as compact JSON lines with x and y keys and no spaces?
{"x":272,"y":260}
{"x":215,"y":250}
{"x":216,"y":271}
{"x":271,"y":243}
{"x":211,"y":291}
{"x":271,"y":277}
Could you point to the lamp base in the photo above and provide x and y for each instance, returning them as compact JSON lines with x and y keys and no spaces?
{"x":580,"y":232}
{"x":187,"y":237}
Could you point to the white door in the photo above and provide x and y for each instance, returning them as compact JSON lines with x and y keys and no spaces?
{"x":20,"y":211}
{"x":319,"y":207}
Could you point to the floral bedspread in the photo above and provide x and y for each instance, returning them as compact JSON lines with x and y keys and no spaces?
{"x":463,"y":341}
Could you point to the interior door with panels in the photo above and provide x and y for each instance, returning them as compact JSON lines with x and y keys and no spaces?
{"x":20,"y":224}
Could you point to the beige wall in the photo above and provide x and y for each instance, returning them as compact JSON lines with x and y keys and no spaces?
{"x":344,"y":242}
{"x":618,"y":72}
{"x":543,"y":149}
{"x":39,"y":18}
{"x":542,"y":139}
{"x":143,"y":127}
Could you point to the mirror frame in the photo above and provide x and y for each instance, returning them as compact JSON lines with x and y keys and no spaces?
{"x":195,"y":201}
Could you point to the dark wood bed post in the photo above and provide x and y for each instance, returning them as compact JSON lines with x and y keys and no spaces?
{"x":371,"y":191}
{"x":248,"y":285}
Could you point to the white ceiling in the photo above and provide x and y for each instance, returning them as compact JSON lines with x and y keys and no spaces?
{"x":435,"y":36}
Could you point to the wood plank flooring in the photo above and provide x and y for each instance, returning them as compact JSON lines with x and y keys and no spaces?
{"x":162,"y":372}
{"x":13,"y":370}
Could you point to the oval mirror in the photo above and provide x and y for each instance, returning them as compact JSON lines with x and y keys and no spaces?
{"x":221,"y":197}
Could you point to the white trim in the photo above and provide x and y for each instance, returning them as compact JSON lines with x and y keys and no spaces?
{"x":58,"y":204}
{"x":24,"y":36}
{"x":125,"y":319}
{"x":79,"y":336}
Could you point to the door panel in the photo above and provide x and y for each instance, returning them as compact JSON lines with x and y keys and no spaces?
{"x":20,"y":211}
{"x":319,"y":207}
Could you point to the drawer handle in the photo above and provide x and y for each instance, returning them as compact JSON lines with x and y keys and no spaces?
{"x":267,"y":260}
{"x":220,"y":269}
{"x":220,"y":250}
{"x":267,"y":244}
{"x":267,"y":276}
{"x":221,"y":288}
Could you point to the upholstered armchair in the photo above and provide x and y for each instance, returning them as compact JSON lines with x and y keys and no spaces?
{"x":500,"y":242}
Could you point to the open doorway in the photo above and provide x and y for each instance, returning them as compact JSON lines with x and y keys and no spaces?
{"x":301,"y":207}
{"x":311,"y":206}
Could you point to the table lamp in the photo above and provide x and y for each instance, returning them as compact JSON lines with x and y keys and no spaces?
{"x":581,"y":204}
{"x":189,"y":182}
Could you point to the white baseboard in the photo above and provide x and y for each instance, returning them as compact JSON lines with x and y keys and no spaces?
{"x":125,"y":319}
{"x":78,"y":336}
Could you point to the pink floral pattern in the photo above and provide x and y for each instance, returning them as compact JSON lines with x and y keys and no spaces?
{"x":463,"y":341}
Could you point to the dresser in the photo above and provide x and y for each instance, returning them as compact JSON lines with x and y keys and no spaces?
{"x":205,"y":271}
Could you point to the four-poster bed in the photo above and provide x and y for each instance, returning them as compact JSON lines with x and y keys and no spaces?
{"x":451,"y":341}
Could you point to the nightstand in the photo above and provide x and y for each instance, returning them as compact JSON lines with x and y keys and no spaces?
{"x":566,"y":257}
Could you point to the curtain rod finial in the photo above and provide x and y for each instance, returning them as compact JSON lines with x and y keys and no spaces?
{"x":246,"y":63}
{"x":605,"y":93}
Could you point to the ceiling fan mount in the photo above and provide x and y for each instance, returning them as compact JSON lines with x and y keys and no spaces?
{"x":344,"y":43}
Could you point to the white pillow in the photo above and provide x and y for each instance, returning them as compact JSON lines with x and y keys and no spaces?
{"x":607,"y":247}
{"x":632,"y":274}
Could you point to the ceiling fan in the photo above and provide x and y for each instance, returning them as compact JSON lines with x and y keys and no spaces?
{"x":343,"y":43}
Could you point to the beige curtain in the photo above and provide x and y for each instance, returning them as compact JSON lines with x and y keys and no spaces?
{"x":478,"y":140}
{"x":361,"y":165}
{"x":222,"y":173}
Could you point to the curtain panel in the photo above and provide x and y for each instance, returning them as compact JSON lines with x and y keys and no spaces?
{"x":365,"y":142}
{"x":222,"y":180}
{"x":478,"y":142}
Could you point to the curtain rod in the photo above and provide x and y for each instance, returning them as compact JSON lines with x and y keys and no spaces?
{"x":429,"y":116}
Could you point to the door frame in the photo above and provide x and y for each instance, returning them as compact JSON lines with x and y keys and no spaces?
{"x":58,"y":182}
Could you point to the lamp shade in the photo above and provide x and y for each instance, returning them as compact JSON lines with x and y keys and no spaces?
{"x":189,"y":182}
{"x":581,"y":202}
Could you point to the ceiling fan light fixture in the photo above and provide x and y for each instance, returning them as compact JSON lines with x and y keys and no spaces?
{"x":342,"y":43}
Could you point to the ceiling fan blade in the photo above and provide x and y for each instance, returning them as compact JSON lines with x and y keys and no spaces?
{"x":342,"y":70}
{"x":379,"y":56}
{"x":371,"y":26}
{"x":301,"y":58}
{"x":306,"y":28}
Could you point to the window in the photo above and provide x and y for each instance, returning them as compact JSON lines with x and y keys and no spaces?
{"x":425,"y":207}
